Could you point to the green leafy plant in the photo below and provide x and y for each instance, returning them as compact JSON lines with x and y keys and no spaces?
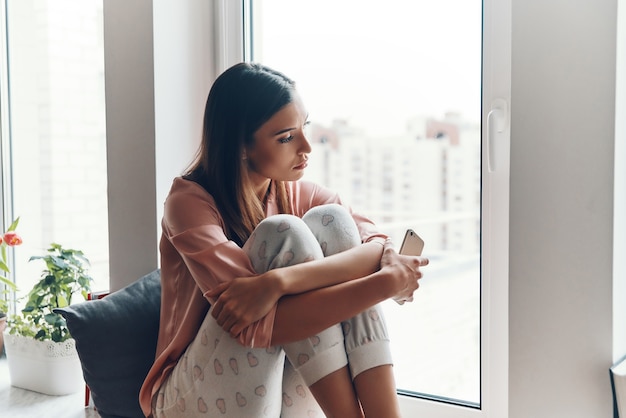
{"x":66,"y":274}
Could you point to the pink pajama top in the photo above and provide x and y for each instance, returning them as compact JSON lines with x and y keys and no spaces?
{"x":196,"y":256}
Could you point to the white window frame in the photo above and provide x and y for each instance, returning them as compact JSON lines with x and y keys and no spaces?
{"x":6,"y":208}
{"x":495,"y":197}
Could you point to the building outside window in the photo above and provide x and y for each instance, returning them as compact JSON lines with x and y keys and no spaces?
{"x":394,"y":96}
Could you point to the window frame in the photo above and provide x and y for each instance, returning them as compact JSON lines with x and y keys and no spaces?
{"x":6,"y":207}
{"x":231,"y":48}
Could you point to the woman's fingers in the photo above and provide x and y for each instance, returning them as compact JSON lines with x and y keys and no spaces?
{"x":221,"y":312}
{"x":227,"y":317}
{"x":218,"y":306}
{"x":228,"y":324}
{"x":409,"y":273}
{"x":217,"y":310}
{"x":223,"y":318}
{"x":416,"y":261}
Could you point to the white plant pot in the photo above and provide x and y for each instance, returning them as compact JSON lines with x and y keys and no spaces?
{"x":43,"y":366}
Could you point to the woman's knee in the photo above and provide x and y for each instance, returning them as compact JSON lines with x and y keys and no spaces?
{"x":283,"y":227}
{"x":279,"y":241}
{"x":333,"y":227}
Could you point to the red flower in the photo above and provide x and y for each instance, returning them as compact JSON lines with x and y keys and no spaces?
{"x":11,"y":239}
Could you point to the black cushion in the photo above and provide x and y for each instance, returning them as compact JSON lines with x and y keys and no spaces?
{"x":116,"y":340}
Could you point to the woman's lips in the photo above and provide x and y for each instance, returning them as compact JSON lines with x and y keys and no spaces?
{"x":301,"y":166}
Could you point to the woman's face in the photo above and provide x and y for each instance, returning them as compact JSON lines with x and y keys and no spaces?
{"x":280,"y":148}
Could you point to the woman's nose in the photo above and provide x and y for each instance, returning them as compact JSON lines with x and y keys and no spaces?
{"x":305,"y":147}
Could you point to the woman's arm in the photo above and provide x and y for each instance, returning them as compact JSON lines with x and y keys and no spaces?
{"x":301,"y":316}
{"x":248,"y":299}
{"x":351,"y":264}
{"x":344,"y":285}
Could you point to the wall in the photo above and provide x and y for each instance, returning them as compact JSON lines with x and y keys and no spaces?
{"x":561,"y":218}
{"x":183,"y":73}
{"x":129,"y":87}
{"x":158,"y":73}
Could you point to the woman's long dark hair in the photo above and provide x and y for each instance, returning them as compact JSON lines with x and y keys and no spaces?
{"x":241,"y":99}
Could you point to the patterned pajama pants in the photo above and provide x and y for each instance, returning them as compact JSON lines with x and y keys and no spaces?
{"x":218,"y":377}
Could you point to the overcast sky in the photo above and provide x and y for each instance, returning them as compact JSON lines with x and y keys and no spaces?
{"x":376,"y":63}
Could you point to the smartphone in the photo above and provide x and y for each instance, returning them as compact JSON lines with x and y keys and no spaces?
{"x":412,"y":244}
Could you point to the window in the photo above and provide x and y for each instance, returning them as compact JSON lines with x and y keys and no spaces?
{"x":56,"y":181}
{"x":328,"y":47}
{"x":399,"y":88}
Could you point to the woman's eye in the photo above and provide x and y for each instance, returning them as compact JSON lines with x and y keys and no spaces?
{"x":285,"y":140}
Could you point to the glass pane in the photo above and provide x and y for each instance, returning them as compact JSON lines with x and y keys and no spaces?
{"x":57,"y":115}
{"x":393,"y":91}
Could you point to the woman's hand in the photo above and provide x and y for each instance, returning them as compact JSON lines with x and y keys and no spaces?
{"x":242,"y":301}
{"x":404,"y":269}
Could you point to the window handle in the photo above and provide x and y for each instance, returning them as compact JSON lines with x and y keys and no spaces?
{"x":496,"y":124}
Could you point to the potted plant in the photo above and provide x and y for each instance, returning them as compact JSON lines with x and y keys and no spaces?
{"x":9,"y":239}
{"x":40,"y":350}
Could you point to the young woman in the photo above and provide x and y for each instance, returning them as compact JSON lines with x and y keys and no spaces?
{"x":270,"y":285}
